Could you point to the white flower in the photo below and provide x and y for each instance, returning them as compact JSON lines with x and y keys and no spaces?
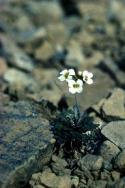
{"x":75,"y":86}
{"x":87,"y":77}
{"x":66,"y":75}
{"x":88,"y":132}
{"x":80,"y":73}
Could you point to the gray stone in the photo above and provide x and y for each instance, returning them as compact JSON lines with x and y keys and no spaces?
{"x":111,"y":68}
{"x":19,"y":80}
{"x":98,"y":184}
{"x":3,"y":66}
{"x":115,"y":132}
{"x":113,"y":11}
{"x":115,"y":175}
{"x":75,"y":181}
{"x":26,"y":142}
{"x":45,"y":51}
{"x":91,"y":162}
{"x":108,"y":151}
{"x":59,"y":165}
{"x":105,"y":175}
{"x":49,"y":179}
{"x":44,"y":10}
{"x":62,"y":162}
{"x":83,"y":173}
{"x":120,"y":161}
{"x":57,"y":34}
{"x":117,"y":184}
{"x":113,"y":108}
{"x":14,"y":55}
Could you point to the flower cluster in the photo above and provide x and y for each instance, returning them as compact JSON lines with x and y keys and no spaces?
{"x":75,"y":80}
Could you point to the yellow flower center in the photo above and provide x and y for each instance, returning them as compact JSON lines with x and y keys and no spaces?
{"x":86,"y":78}
{"x":66,"y":75}
{"x":75,"y":85}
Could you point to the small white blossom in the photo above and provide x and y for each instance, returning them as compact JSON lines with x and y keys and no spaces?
{"x":66,"y":75}
{"x":75,"y":86}
{"x":88,"y":132}
{"x":80,"y":73}
{"x":87,"y":77}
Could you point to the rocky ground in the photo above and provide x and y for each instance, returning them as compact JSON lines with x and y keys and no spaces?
{"x":37,"y":40}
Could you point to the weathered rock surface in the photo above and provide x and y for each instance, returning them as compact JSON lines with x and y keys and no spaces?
{"x":91,"y":162}
{"x":49,"y":179}
{"x":26,"y":142}
{"x":114,"y":105}
{"x":115,"y":132}
{"x":14,"y":55}
{"x":18,"y":79}
{"x":108,"y":151}
{"x":120,"y":161}
{"x":112,"y":68}
{"x":112,"y":108}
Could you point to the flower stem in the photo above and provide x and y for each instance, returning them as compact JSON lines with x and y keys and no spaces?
{"x":76,"y":109}
{"x":76,"y":103}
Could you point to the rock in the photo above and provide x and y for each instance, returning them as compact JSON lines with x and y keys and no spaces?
{"x":57,"y":34}
{"x":105,"y":175}
{"x":108,"y":151}
{"x":35,"y":180}
{"x":3,"y":66}
{"x":98,"y":184}
{"x":113,"y":108}
{"x":19,"y":80}
{"x":29,"y":39}
{"x":120,"y":161}
{"x":45,"y":51}
{"x":38,"y":186}
{"x":115,"y":132}
{"x":43,"y":11}
{"x":64,"y":182}
{"x":25,"y":22}
{"x":115,"y":175}
{"x":4,"y":99}
{"x":92,"y":10}
{"x":113,"y":11}
{"x":26,"y":142}
{"x":49,"y":84}
{"x":14,"y":55}
{"x":74,"y":55}
{"x":83,"y":173}
{"x":91,"y":162}
{"x":75,"y":181}
{"x":59,"y":165}
{"x":109,"y":66}
{"x":49,"y":179}
{"x":117,"y":184}
{"x":62,"y":162}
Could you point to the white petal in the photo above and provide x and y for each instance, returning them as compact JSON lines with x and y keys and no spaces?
{"x":69,"y":78}
{"x":72,"y":90}
{"x":80,"y":73}
{"x":71,"y":72}
{"x":70,"y":83}
{"x":61,"y":78}
{"x":64,"y":71}
{"x":80,"y":82}
{"x":90,"y":75}
{"x":85,"y":73}
{"x":89,"y":81}
{"x":79,"y":90}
